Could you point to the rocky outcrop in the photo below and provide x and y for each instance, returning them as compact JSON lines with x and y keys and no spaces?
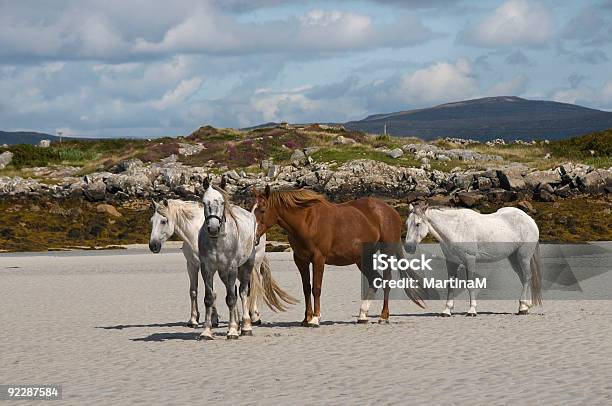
{"x":430,"y":151}
{"x":352,"y":179}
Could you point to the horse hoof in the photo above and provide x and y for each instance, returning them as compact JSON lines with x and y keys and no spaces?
{"x":204,"y":337}
{"x":445,"y":315}
{"x":312,"y":325}
{"x":470,"y":314}
{"x":232,"y":337}
{"x":383,"y":321}
{"x":362,"y":321}
{"x":248,"y":333}
{"x":192,"y":324}
{"x":256,"y":323}
{"x":522,"y":312}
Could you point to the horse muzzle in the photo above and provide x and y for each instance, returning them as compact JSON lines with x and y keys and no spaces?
{"x":410,"y":248}
{"x":155,"y":246}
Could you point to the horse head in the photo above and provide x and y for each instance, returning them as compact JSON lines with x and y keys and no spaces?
{"x":162,"y":225}
{"x":214,"y":210}
{"x":417,"y":227}
{"x":265,"y":213}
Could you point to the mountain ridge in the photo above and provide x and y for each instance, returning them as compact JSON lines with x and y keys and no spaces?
{"x":507,"y":117}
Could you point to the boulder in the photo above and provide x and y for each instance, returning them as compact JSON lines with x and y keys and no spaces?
{"x":470,"y":199}
{"x":596,"y":181}
{"x":484,"y":183}
{"x":95,"y":191}
{"x":5,"y":158}
{"x":526,"y":206}
{"x":511,"y":179}
{"x":108,"y":209}
{"x":536,"y":178}
{"x":395,"y":153}
{"x":299,"y":158}
{"x":497,"y":195}
{"x":129,"y":165}
{"x":342,"y":140}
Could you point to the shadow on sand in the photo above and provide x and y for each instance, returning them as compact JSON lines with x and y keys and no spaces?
{"x":123,"y":326}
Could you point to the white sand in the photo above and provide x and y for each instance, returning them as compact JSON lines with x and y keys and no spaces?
{"x":110,"y":328}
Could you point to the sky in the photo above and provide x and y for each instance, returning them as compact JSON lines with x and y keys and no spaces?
{"x":150,"y":68}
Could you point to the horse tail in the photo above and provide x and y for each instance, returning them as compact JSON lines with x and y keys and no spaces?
{"x":273,"y":295}
{"x":536,"y":277}
{"x":415,"y":294}
{"x":254,"y":288}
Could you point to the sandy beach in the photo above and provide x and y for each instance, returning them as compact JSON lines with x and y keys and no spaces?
{"x":110,"y":327}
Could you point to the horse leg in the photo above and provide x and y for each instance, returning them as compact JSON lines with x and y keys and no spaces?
{"x":451,"y":269}
{"x":229,"y":279}
{"x":523,"y":269}
{"x":470,"y":270}
{"x":215,"y":314}
{"x":244,"y":274}
{"x":318,"y":266}
{"x":367,"y":301}
{"x":304,"y":268}
{"x":192,"y":270}
{"x":209,"y":300}
{"x":253,"y":310}
{"x":384,"y":314}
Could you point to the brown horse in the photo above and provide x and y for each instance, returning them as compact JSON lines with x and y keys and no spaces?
{"x":321,"y":232}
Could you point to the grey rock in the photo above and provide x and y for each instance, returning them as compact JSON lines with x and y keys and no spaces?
{"x":95,"y":191}
{"x":470,"y":199}
{"x":596,"y":181}
{"x":395,"y":153}
{"x":536,"y":178}
{"x":5,"y":158}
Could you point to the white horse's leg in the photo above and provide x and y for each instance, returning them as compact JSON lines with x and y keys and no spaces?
{"x":365,"y":303}
{"x":521,"y":265}
{"x":192,"y":270}
{"x":245,"y":273}
{"x":229,"y":279}
{"x":209,"y":300}
{"x":470,"y":270}
{"x":451,"y":269}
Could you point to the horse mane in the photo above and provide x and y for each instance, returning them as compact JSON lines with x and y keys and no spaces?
{"x":179,"y":209}
{"x":294,"y":199}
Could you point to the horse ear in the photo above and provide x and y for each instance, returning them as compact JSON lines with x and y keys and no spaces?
{"x":223,"y":182}
{"x":165,"y":202}
{"x":267,"y":191}
{"x":206,"y":183}
{"x":411,"y":208}
{"x":154,"y":204}
{"x":254,"y":192}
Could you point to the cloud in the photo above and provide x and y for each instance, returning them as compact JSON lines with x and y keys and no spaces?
{"x":593,"y":57}
{"x":514,"y":87}
{"x":580,"y":93}
{"x":517,"y":58}
{"x":177,"y":95}
{"x":135,"y":31}
{"x":515,"y":23}
{"x":588,"y":27}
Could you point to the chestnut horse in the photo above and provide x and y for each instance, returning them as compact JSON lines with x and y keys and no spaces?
{"x":321,"y":232}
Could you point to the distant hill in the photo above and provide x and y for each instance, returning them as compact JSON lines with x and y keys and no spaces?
{"x":483,"y":119}
{"x":24,"y":137}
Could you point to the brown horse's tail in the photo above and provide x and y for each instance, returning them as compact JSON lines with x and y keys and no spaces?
{"x":274,"y":297}
{"x":536,"y":277}
{"x":415,"y":294}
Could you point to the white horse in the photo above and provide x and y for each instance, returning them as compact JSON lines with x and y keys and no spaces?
{"x":185,"y":220}
{"x":226,"y":244}
{"x":467,"y":237}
